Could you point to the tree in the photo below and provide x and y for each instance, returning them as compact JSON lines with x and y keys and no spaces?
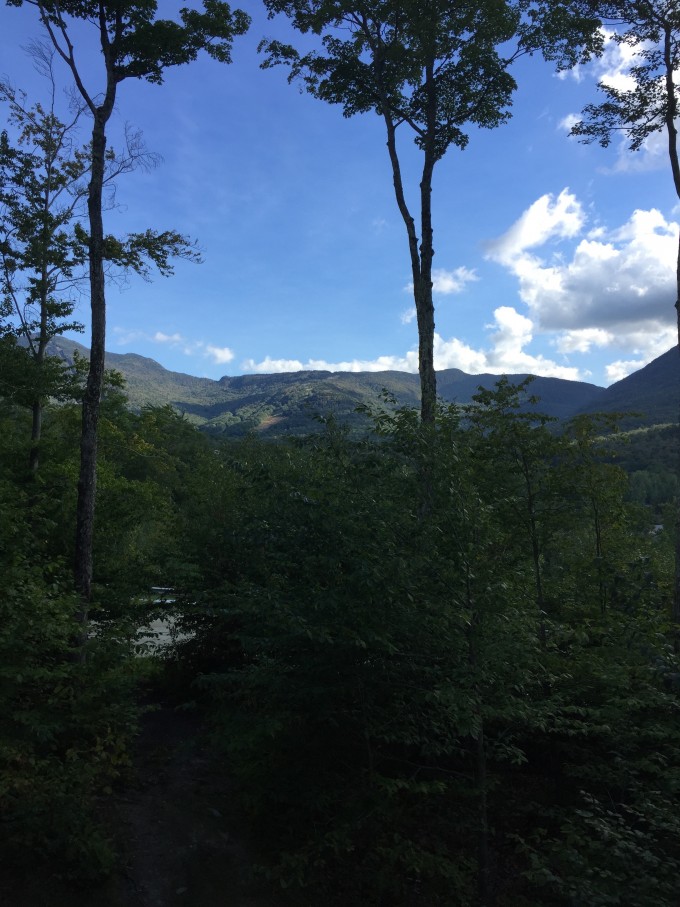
{"x":652,"y":29}
{"x":134,"y":45}
{"x":43,"y":245}
{"x":523,"y":449}
{"x":651,"y":105}
{"x":41,"y":189}
{"x":434,"y":68}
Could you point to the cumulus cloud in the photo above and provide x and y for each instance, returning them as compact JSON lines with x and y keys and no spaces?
{"x":622,"y":368}
{"x":613,"y":69}
{"x":652,"y":154}
{"x":568,"y":122}
{"x":160,"y":337}
{"x":511,"y":332}
{"x":407,"y":363}
{"x":615,"y":288}
{"x":547,"y":218}
{"x":447,"y":283}
{"x":583,"y":340}
{"x":219,"y":354}
{"x":444,"y":283}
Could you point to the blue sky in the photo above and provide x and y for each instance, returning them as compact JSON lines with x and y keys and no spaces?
{"x":551,"y":257}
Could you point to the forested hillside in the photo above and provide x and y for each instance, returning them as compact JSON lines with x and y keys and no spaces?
{"x":325,"y":637}
{"x":286,"y":404}
{"x":405,"y":696}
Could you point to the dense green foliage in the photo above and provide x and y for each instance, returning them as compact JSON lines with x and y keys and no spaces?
{"x":437,"y":657}
{"x":65,"y":724}
{"x":436,"y":662}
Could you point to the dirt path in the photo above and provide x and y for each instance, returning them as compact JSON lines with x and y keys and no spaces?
{"x":177,"y":828}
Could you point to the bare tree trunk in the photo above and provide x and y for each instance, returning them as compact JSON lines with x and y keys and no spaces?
{"x":421,"y":271}
{"x":425,"y":319}
{"x":87,"y":480}
{"x":423,"y":291}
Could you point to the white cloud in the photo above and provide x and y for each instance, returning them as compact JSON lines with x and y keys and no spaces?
{"x":219,"y":354}
{"x":617,"y":288}
{"x":623,"y":367}
{"x":446,"y":283}
{"x":575,"y":73}
{"x":408,"y":315}
{"x":583,"y":339}
{"x":511,"y":333}
{"x":272,"y":366}
{"x":568,"y":122}
{"x":613,"y":67}
{"x":407,"y":363}
{"x":160,"y":337}
{"x":652,"y":155}
{"x":547,"y":218}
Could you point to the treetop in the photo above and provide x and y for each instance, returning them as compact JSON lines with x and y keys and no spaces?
{"x":135,"y":43}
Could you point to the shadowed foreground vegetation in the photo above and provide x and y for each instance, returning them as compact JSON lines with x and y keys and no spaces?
{"x":435,"y":667}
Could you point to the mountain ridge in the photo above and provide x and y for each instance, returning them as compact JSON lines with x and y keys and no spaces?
{"x":288,"y":403}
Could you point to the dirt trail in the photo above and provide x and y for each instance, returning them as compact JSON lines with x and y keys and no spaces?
{"x":177,"y":829}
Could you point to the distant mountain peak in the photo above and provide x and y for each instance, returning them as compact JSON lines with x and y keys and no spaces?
{"x":285,"y":403}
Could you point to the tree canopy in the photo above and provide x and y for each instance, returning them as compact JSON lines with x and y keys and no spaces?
{"x":436,"y":69}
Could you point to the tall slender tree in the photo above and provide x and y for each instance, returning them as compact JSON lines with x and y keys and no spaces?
{"x":650,"y":105}
{"x":43,"y":245}
{"x":42,"y":185}
{"x":434,"y":68}
{"x":134,"y":45}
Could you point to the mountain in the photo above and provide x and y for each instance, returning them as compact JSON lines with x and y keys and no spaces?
{"x":557,"y":397}
{"x":285,"y":404}
{"x":653,"y":393}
